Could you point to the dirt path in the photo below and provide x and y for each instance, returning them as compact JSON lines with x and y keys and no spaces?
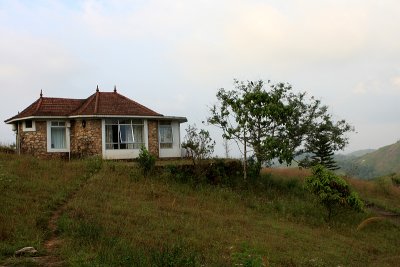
{"x":54,"y":242}
{"x":51,"y":244}
{"x":392,"y":216}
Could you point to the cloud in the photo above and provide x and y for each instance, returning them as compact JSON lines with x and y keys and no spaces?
{"x":396,"y":82}
{"x":360,"y":89}
{"x":182,"y":51}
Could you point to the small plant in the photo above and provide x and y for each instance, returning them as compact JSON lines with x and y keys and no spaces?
{"x":247,"y":257}
{"x":395,"y":179}
{"x":94,"y":164}
{"x":146,"y":160}
{"x":198,"y":144}
{"x":332,"y":191}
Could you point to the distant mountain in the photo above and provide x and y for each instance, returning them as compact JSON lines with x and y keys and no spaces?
{"x":359,"y":153}
{"x":371,"y":163}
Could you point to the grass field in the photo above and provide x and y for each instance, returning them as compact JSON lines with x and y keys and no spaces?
{"x":117,"y":217}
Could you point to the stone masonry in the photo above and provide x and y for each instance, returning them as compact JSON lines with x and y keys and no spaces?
{"x":153,"y":137}
{"x":34,"y":142}
{"x":86,"y":138}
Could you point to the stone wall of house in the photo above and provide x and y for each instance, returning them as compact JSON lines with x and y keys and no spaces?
{"x":34,"y":142}
{"x":86,"y":138}
{"x":153,"y":137}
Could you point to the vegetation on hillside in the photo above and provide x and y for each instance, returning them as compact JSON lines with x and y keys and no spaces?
{"x":383,"y":161}
{"x":332,"y":191}
{"x":119,"y":217}
{"x":276,"y":123}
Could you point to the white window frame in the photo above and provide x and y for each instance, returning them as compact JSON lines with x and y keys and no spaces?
{"x":119,"y":122}
{"x":31,"y":129}
{"x":67,"y":137}
{"x":166,"y":124}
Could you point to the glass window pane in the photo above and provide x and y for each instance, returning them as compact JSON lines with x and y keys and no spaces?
{"x":111,"y":121}
{"x":138,"y":133}
{"x":58,"y":138}
{"x":138,"y":122}
{"x":165,"y":134}
{"x":126,"y":133}
{"x":165,"y":123}
{"x":28,"y":124}
{"x":124,"y":121}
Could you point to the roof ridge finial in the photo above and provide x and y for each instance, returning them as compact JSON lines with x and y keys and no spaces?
{"x":97,"y":88}
{"x":41,"y":93}
{"x":115,"y":88}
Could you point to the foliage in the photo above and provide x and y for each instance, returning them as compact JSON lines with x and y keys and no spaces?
{"x":115,"y":220}
{"x":274,"y":122}
{"x":198,"y":144}
{"x":323,"y":139}
{"x":384,"y":161}
{"x":94,"y":164}
{"x":322,"y":154}
{"x":247,"y":257}
{"x":146,"y":160}
{"x":216,"y":172}
{"x":395,"y":179}
{"x":7,"y":148}
{"x":332,"y":191}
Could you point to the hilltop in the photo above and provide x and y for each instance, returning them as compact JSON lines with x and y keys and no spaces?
{"x":383,"y":161}
{"x":108,"y":214}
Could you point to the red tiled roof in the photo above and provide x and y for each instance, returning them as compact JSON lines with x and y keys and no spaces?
{"x":112,"y":103}
{"x":100,"y":103}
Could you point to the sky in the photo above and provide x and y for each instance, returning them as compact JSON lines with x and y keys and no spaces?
{"x":173,"y":56}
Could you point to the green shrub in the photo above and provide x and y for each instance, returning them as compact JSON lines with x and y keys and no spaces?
{"x":332,"y":191}
{"x":395,"y":179}
{"x":94,"y":164}
{"x":146,"y":161}
{"x":222,"y":172}
{"x":247,"y":257}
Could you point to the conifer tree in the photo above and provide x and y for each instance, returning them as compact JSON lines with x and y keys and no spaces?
{"x":323,"y":153}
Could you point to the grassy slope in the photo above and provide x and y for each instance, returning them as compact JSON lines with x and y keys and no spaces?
{"x":123,"y":219}
{"x":30,"y":190}
{"x":385,"y":160}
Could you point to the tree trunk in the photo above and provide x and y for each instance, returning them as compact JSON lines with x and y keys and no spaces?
{"x":245,"y":157}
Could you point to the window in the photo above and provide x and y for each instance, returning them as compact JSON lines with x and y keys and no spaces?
{"x":29,"y":126}
{"x":166,"y":137}
{"x":124,"y":134}
{"x":58,"y":135}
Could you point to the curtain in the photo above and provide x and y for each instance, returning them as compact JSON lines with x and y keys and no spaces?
{"x":165,"y":134}
{"x":138,"y":133}
{"x":58,"y":138}
{"x":126,"y":134}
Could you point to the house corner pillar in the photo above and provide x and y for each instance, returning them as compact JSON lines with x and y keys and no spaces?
{"x":153,"y":138}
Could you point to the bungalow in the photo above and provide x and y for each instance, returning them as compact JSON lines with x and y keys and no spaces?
{"x":106,"y":123}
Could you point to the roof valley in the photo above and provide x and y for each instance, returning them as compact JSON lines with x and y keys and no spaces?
{"x":39,"y":104}
{"x":96,"y":105}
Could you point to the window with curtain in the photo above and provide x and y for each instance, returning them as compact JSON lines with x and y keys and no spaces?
{"x":124,"y":134}
{"x":58,"y":135}
{"x":166,"y":137}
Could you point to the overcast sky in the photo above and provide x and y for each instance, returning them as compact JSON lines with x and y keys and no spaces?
{"x":173,"y":56}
